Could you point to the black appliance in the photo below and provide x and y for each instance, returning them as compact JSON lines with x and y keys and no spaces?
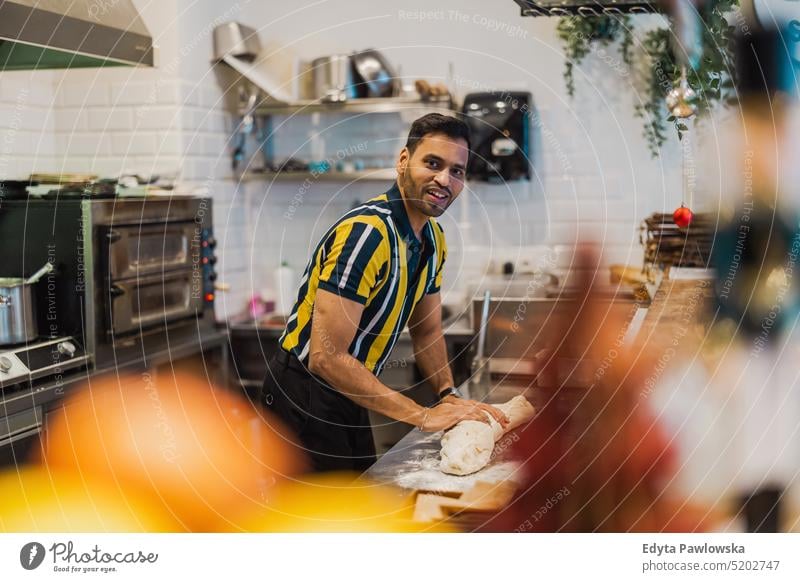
{"x":132,"y":275}
{"x":133,"y":284}
{"x":500,"y":132}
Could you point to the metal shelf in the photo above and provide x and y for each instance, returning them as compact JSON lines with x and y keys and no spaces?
{"x":382,"y":174}
{"x":366,"y":105}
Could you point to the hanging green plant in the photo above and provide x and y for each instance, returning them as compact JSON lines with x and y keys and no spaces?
{"x":578,"y":34}
{"x":651,"y":56}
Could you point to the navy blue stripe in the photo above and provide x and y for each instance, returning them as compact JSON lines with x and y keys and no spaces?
{"x":305,"y":337}
{"x":328,"y":243}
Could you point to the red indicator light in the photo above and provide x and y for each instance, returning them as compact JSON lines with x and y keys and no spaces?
{"x":209,"y":297}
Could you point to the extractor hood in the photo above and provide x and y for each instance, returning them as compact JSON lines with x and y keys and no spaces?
{"x":64,"y":34}
{"x":585,"y":7}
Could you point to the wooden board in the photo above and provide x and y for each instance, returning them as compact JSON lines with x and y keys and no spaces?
{"x":482,"y":497}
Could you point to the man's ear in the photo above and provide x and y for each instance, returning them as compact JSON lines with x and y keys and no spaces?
{"x":402,"y":161}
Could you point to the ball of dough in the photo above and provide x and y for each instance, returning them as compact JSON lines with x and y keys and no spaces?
{"x":467,"y":448}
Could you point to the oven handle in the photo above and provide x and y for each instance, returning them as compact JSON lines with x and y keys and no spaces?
{"x":22,"y":435}
{"x":164,"y":276}
{"x":116,"y":291}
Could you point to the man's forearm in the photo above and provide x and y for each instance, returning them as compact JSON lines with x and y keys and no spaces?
{"x":350,"y":377}
{"x":430,"y":353}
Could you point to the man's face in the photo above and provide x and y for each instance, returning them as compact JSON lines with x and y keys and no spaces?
{"x":433,"y":176}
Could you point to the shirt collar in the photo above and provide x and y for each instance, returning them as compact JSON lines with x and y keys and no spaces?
{"x":398,"y":209}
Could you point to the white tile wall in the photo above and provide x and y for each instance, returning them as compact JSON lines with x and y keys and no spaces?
{"x":591,"y":164}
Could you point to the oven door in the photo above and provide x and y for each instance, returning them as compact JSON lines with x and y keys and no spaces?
{"x":137,"y":250}
{"x":154,"y":300}
{"x":20,"y":436}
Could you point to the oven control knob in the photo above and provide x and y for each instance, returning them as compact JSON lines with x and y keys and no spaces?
{"x":5,"y":364}
{"x":212,"y":260}
{"x":212,"y":242}
{"x":66,"y":349}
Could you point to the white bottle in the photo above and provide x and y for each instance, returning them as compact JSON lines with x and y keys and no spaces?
{"x":285,"y":289}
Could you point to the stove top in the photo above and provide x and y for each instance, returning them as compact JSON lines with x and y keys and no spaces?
{"x":45,"y":358}
{"x":100,"y":190}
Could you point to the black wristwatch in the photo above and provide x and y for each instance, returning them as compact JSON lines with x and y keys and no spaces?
{"x":452,"y":391}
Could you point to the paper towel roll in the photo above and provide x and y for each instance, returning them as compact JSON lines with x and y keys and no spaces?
{"x":285,"y":289}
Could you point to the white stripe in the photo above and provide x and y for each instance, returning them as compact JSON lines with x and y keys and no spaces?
{"x":354,"y":255}
{"x":371,"y":207}
{"x":306,"y":347}
{"x":378,"y":315}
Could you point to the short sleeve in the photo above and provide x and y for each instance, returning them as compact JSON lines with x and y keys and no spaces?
{"x":351,"y":260}
{"x":441,"y":256}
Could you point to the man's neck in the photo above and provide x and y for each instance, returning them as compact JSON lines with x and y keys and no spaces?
{"x":416,"y":219}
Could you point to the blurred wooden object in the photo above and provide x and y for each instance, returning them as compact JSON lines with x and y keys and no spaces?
{"x":635,"y":278}
{"x":666,"y":245}
{"x":482,"y":497}
{"x":627,"y":274}
{"x":427,"y":90}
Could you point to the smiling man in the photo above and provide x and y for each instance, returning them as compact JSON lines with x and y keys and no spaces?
{"x":378,"y":268}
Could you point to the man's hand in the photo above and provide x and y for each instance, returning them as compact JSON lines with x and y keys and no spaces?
{"x":447,"y":415}
{"x":495,"y":413}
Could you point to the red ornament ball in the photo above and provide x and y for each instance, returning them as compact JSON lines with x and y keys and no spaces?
{"x":682,"y":217}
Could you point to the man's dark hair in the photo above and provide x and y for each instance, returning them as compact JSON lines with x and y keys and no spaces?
{"x":436,"y":123}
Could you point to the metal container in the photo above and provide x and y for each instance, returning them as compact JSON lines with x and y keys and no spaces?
{"x":235,"y":39}
{"x":17,"y":312}
{"x":332,"y":78}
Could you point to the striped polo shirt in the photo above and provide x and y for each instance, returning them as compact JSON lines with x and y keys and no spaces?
{"x":372,"y":256}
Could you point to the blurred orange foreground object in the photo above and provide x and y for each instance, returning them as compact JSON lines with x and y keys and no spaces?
{"x":34,"y":500}
{"x":334,"y":502}
{"x":197,"y":452}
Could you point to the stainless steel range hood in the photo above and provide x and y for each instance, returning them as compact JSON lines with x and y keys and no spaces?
{"x":64,"y":34}
{"x":586,"y":7}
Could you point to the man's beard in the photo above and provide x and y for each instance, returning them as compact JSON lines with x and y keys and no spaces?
{"x":414,"y":195}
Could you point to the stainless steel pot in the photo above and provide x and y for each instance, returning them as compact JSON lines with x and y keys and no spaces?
{"x":17,"y":311}
{"x":333,"y":78}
